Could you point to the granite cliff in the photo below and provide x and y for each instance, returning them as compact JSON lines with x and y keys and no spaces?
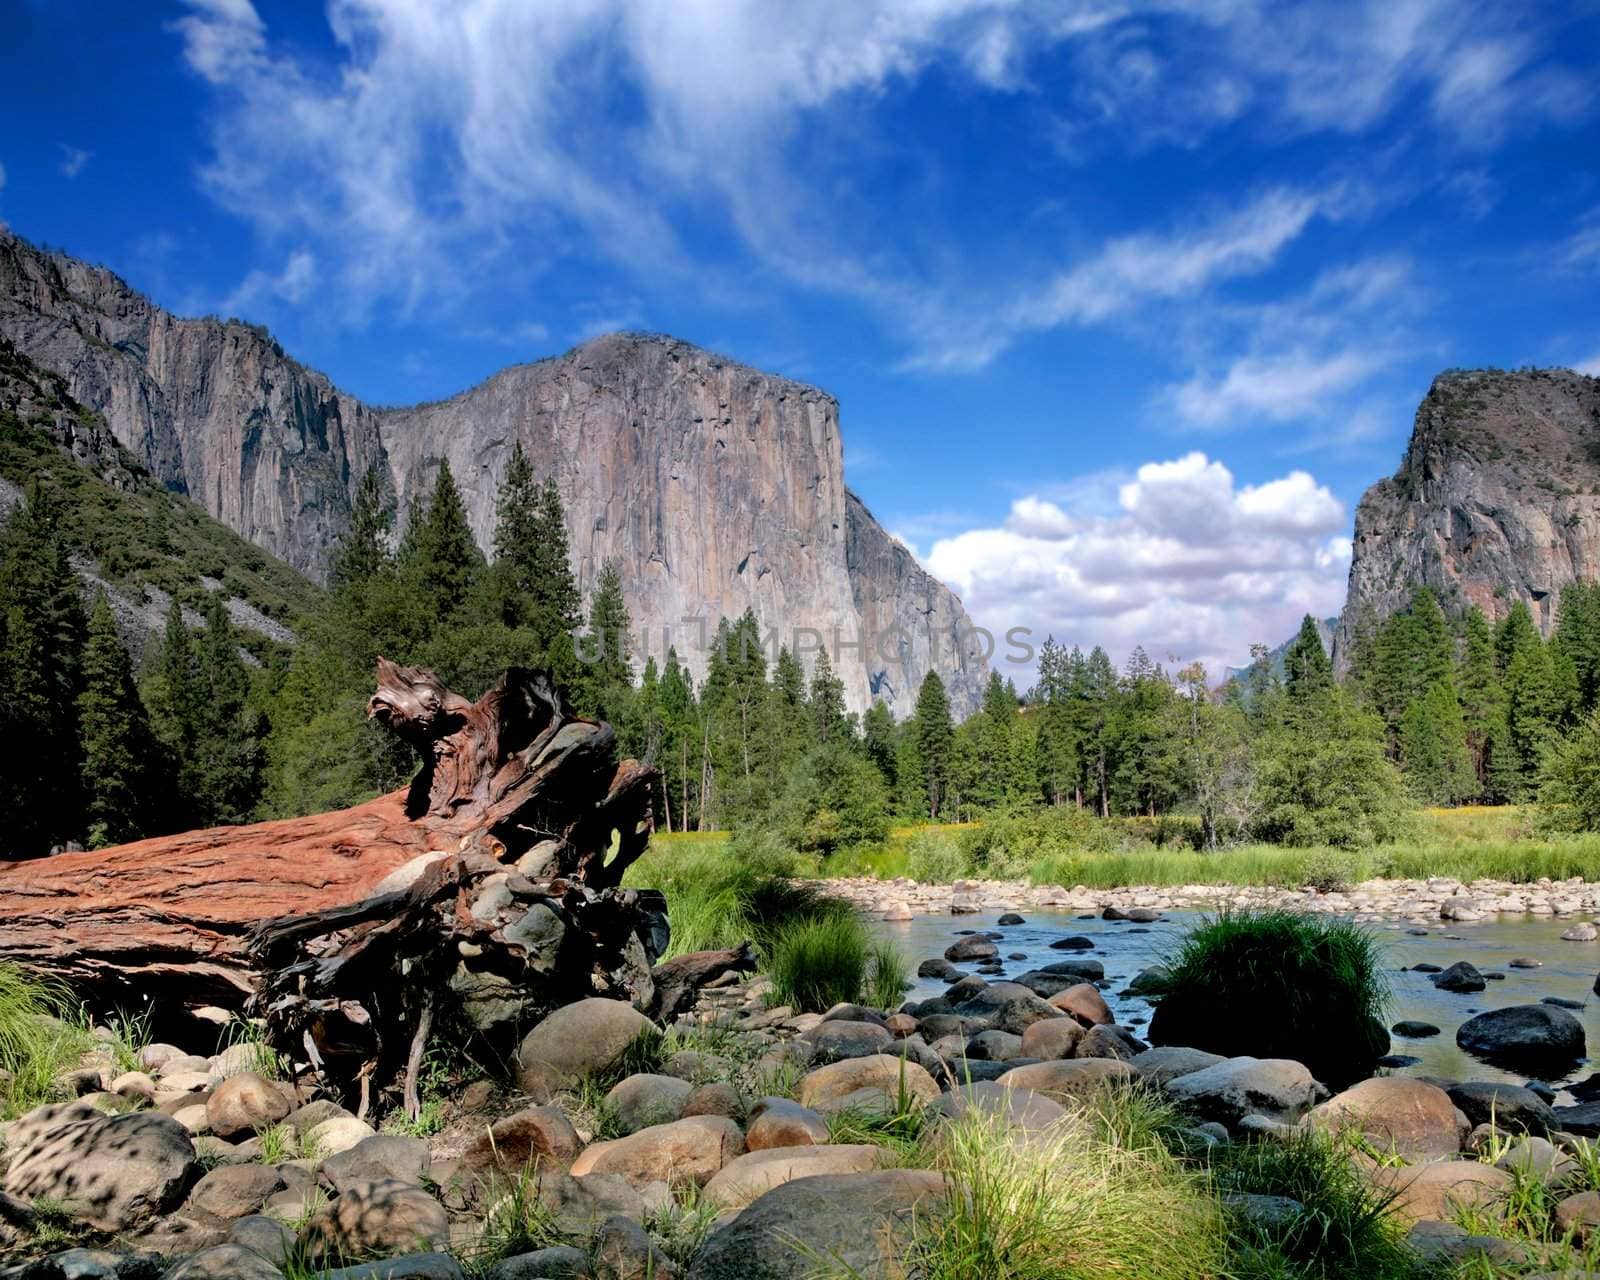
{"x":1496,"y":500}
{"x":715,"y":487}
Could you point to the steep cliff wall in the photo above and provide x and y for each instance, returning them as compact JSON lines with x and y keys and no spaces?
{"x":1496,"y":500}
{"x":714,"y":487}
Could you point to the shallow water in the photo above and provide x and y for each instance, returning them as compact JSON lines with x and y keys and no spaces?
{"x":1568,"y":971}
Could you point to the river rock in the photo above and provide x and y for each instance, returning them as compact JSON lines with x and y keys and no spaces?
{"x":558,"y":1262}
{"x":243,"y":1104}
{"x":640,"y":1101}
{"x":537,"y":1135}
{"x":684,"y":1151}
{"x":232,"y":1191}
{"x":384,"y":1157}
{"x":1584,"y":932}
{"x":1050,"y":1038}
{"x":1511,"y":1108}
{"x":1410,"y":1118}
{"x":382,"y":1216}
{"x":834,"y":1041}
{"x":578,"y":1039}
{"x":111,"y":1171}
{"x":224,"y":1262}
{"x":1084,"y":1003}
{"x":753,"y":1174}
{"x":1278,"y":1088}
{"x":1529,"y":1035}
{"x":1168,"y":1062}
{"x":874,"y":1083}
{"x":1109,"y":1041}
{"x":778,"y":1122}
{"x":1413,"y":1030}
{"x":1460,"y":977}
{"x":854,"y":1220}
{"x":1439,"y":1189}
{"x":1069,"y":1079}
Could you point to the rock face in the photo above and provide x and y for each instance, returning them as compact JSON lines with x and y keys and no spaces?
{"x":1495,"y":500}
{"x":714,"y":487}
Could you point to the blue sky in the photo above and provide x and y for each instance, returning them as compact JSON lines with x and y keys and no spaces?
{"x":1125,"y":304}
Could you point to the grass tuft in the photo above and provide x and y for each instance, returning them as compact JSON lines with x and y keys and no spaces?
{"x":1274,"y":984}
{"x":816,"y":964}
{"x":41,"y":1035}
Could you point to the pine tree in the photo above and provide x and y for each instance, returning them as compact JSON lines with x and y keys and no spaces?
{"x":608,"y":680}
{"x":362,"y":553}
{"x":1578,"y":637}
{"x":1307,"y":671}
{"x":550,"y":581}
{"x":881,"y":739}
{"x":826,"y":702}
{"x":1433,"y":748}
{"x":1514,"y":633}
{"x":1482,"y":698}
{"x":122,"y":785}
{"x":935,"y":736}
{"x":789,"y":682}
{"x":680,"y":743}
{"x":1055,"y":752}
{"x":227,"y":760}
{"x":1533,"y":709}
{"x":442,"y":562}
{"x":40,"y":677}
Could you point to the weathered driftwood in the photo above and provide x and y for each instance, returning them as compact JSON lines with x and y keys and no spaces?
{"x":512,"y":780}
{"x":678,"y":981}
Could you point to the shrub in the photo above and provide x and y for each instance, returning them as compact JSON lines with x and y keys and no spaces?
{"x":834,"y":798}
{"x":818,"y":963}
{"x":1065,"y":1205}
{"x":1569,"y":794}
{"x":1343,"y":1229}
{"x":935,"y":857}
{"x":1278,"y":985}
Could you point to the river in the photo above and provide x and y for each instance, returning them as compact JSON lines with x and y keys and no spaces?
{"x":1123,"y":948}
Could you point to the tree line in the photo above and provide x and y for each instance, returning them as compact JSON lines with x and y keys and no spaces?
{"x":1433,"y":710}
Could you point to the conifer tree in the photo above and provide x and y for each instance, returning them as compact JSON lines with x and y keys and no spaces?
{"x":880,"y":738}
{"x":935,"y":739}
{"x":121,"y":775}
{"x":555,"y":605}
{"x":1578,"y":637}
{"x":443,"y":561}
{"x":40,"y":677}
{"x":1433,"y":748}
{"x":1478,"y":684}
{"x":1307,"y":671}
{"x":680,"y":742}
{"x":227,"y":760}
{"x":1514,"y":633}
{"x":608,"y":678}
{"x":789,"y":682}
{"x":362,"y":554}
{"x":826,"y":701}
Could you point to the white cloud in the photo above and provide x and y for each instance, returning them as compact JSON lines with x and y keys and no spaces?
{"x":73,"y":160}
{"x":1591,"y":366}
{"x":1192,"y":566}
{"x":293,"y":284}
{"x":1276,"y":387}
{"x":440,"y":141}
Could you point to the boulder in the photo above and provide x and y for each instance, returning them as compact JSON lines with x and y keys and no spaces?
{"x":1579,"y":1214}
{"x":381,"y":1216}
{"x":1460,"y":977}
{"x":623,"y":1250}
{"x":685,"y":1151}
{"x":1084,"y":1003}
{"x":224,"y":1262}
{"x":1066,"y":1080}
{"x":1440,"y":1188}
{"x":755,"y":1173}
{"x":262,"y":1235}
{"x":1003,"y":1006}
{"x":884,"y":1075}
{"x":778,"y":1122}
{"x":382,"y":1157}
{"x":1509,"y":1107}
{"x":558,"y":1262}
{"x":858,"y":1221}
{"x":1051,"y":1038}
{"x":838,"y":1040}
{"x":410,"y":1266}
{"x":577,"y":1039}
{"x":526,"y":1138}
{"x":111,"y":1171}
{"x":1532,"y":1036}
{"x":1108,"y":1041}
{"x":1278,"y":1088}
{"x":243,"y":1104}
{"x":234,"y":1190}
{"x":714,"y":1098}
{"x":1017,"y":1108}
{"x":994,"y":1046}
{"x":1168,"y":1062}
{"x":974,"y":948}
{"x":640,"y":1101}
{"x":1397,"y":1115}
{"x":1413,"y":1030}
{"x":335,"y":1135}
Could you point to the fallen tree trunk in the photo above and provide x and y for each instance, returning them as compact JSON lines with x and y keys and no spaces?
{"x":512,"y":781}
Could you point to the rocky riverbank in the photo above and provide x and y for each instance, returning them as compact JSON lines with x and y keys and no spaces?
{"x":1422,"y":901}
{"x":743,"y":1145}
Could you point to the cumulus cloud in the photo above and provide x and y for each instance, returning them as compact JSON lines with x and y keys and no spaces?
{"x":1192,"y":565}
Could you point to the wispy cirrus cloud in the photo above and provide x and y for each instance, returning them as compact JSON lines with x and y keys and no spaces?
{"x":74,"y":160}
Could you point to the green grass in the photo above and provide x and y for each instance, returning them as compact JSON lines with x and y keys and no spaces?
{"x":818,"y":963}
{"x":887,"y":975}
{"x":1066,"y":1204}
{"x":1343,"y":1231}
{"x":41,"y":1035}
{"x":1274,"y":984}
